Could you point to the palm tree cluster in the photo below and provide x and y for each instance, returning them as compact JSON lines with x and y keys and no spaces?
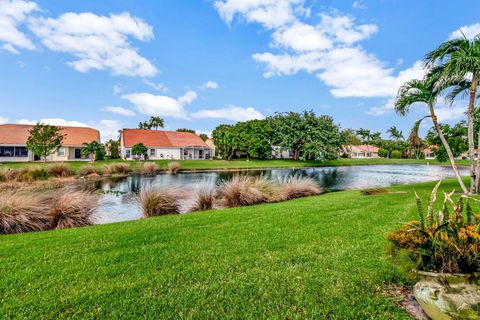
{"x":452,"y":70}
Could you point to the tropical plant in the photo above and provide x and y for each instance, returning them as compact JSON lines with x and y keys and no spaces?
{"x":426,"y":91}
{"x":395,"y":134}
{"x":459,"y":60}
{"x":153,"y":122}
{"x":90,"y":150}
{"x":383,"y":153}
{"x":186,"y":130}
{"x":44,"y":139}
{"x":139,"y":149}
{"x":113,"y":148}
{"x":203,"y":136}
{"x":447,"y":240}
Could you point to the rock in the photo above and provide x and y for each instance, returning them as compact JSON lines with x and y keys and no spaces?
{"x":446,"y":296}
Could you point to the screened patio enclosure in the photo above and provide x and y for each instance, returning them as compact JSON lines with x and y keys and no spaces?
{"x":196,"y":153}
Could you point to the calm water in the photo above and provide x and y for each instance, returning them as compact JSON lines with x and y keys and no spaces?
{"x":119,"y":204}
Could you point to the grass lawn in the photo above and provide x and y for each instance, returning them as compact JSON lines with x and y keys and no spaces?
{"x":244,"y":164}
{"x":319,"y":258}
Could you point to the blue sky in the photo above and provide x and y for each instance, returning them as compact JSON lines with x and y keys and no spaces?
{"x":199,"y":63}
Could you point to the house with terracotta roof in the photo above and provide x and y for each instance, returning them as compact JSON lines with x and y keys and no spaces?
{"x":164,"y":145}
{"x":13,"y":141}
{"x":430,"y":152}
{"x":361,"y":151}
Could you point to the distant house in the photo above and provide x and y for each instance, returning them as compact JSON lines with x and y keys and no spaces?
{"x":165,"y":145}
{"x":279,"y":153}
{"x":361,"y":151}
{"x":211,"y":144}
{"x":429,"y":153}
{"x":13,"y":141}
{"x":464,"y":155}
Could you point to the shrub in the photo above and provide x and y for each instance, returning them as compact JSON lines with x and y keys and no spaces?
{"x":157,"y":202}
{"x":33,"y":173}
{"x":148,"y":168}
{"x":59,"y":170}
{"x":239,"y":191}
{"x":297,"y":187}
{"x":8,"y":175}
{"x":395,"y":154}
{"x":204,"y":197}
{"x":383,"y":153}
{"x":447,"y":241}
{"x":90,"y":171}
{"x":173,"y":167}
{"x":100,"y":155}
{"x":23,"y":213}
{"x":72,"y":208}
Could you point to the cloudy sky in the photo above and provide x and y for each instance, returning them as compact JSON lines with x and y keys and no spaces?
{"x":198,"y":63}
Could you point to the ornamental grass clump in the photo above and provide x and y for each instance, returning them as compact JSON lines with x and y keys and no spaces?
{"x":32,"y":173}
{"x":204,"y":197}
{"x":173,"y":167}
{"x":90,"y":171}
{"x":158,"y":202}
{"x":298,"y":187}
{"x":121,"y":168}
{"x":240,"y":191}
{"x":72,"y":208}
{"x":59,"y":170}
{"x":446,"y":241}
{"x":21,"y":212}
{"x":148,"y":168}
{"x":8,"y":175}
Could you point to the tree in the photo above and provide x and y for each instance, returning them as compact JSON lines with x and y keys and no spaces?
{"x":459,"y":60}
{"x":203,"y":136}
{"x":415,"y":140}
{"x":254,"y":138}
{"x":186,"y":130}
{"x":153,"y":122}
{"x":365,"y":135}
{"x":306,"y":135}
{"x":139,"y":150}
{"x":426,"y":91}
{"x":395,"y":134}
{"x":113,"y":146}
{"x":44,"y":139}
{"x":455,"y":135}
{"x":225,"y":141}
{"x":90,"y":150}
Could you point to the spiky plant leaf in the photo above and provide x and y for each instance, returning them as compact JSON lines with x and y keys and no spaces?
{"x":420,"y":210}
{"x":431,"y":203}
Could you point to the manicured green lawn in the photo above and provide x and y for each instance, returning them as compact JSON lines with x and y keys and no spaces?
{"x":244,"y":164}
{"x":318,"y":258}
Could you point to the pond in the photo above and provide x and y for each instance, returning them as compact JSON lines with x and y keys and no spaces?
{"x":118,"y":201}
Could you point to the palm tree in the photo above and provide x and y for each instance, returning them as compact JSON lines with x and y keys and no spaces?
{"x":414,"y":138}
{"x":460,"y":59}
{"x":426,"y":91}
{"x":156,"y":122}
{"x":90,"y":149}
{"x":395,"y":134}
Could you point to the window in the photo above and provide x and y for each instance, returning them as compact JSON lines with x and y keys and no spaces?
{"x":128,"y":153}
{"x":21,"y":152}
{"x":7,"y":151}
{"x":61,"y":152}
{"x":152,"y":152}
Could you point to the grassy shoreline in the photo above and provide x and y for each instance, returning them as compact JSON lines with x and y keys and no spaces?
{"x":196,"y":165}
{"x":317,"y":257}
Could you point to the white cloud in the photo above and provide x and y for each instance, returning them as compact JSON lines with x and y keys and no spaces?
{"x":12,"y":14}
{"x":119,"y":110}
{"x":157,"y":86}
{"x":157,"y":105}
{"x":117,"y":88}
{"x":447,"y":113}
{"x":470,"y":31}
{"x":108,"y":129}
{"x":3,"y":120}
{"x":98,"y":42}
{"x":21,"y":64}
{"x":383,"y":109}
{"x":233,"y":113}
{"x":329,"y":49}
{"x":359,"y":4}
{"x":209,"y":85}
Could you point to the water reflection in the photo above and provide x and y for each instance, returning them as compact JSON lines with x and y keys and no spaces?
{"x":119,"y":203}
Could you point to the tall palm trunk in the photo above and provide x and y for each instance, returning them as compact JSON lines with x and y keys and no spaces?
{"x":471,"y":141}
{"x":447,"y":148}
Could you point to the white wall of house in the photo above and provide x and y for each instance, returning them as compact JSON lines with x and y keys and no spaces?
{"x":278,"y":153}
{"x":62,"y":154}
{"x":363,"y":155}
{"x":155,"y":153}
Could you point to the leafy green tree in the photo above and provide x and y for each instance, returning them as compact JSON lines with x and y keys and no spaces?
{"x":44,"y":139}
{"x":203,"y":136}
{"x":140,"y":150}
{"x":90,"y":150}
{"x":456,"y":136}
{"x":186,"y":130}
{"x":225,"y":141}
{"x":459,"y":60}
{"x":394,"y":133}
{"x":383,"y":153}
{"x":113,"y":146}
{"x":254,"y":138}
{"x":306,"y":135}
{"x":427,"y":91}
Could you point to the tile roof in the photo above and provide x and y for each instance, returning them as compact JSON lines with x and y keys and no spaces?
{"x":73,"y":136}
{"x":160,"y":138}
{"x":363,"y":148}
